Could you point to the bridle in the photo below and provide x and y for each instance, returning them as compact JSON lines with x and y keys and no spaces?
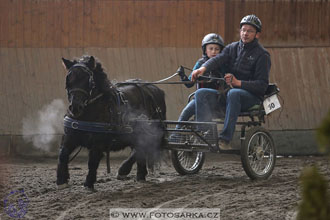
{"x":91,"y":79}
{"x":91,"y":85}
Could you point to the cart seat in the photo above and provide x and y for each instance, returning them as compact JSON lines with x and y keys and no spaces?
{"x":256,"y":110}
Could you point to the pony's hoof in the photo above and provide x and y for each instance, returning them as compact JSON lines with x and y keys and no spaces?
{"x":141,"y":179}
{"x":63,"y":186}
{"x":122,"y":177}
{"x":90,"y":189}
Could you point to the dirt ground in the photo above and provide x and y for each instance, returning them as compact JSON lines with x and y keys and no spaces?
{"x":222,"y":183}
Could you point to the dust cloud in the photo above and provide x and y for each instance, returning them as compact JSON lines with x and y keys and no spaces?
{"x":42,"y":127}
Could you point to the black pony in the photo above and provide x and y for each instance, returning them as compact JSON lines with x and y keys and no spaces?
{"x":103,"y":117}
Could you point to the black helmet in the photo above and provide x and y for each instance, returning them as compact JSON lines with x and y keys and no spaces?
{"x":251,"y":20}
{"x":212,"y":38}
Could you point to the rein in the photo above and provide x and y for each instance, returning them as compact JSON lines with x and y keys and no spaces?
{"x":90,"y":101}
{"x":163,"y":81}
{"x":175,"y":74}
{"x":175,"y":82}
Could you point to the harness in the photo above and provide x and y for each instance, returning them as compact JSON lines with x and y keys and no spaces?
{"x":118,"y":123}
{"x":98,"y":127}
{"x":138,"y":84}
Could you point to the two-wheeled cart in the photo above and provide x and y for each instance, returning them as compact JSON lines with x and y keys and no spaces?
{"x":258,"y":152}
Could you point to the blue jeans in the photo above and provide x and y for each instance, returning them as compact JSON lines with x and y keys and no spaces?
{"x":206,"y":101}
{"x":187,"y":112}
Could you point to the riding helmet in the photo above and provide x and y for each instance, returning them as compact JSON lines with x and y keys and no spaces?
{"x":212,"y":38}
{"x":251,"y":20}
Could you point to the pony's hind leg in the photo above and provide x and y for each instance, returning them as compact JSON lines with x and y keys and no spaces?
{"x":94,"y":159}
{"x":142,"y":171}
{"x":126,"y":167}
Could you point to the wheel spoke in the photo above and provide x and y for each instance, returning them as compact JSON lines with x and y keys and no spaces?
{"x":267,"y":147}
{"x":259,"y":165}
{"x":187,"y":162}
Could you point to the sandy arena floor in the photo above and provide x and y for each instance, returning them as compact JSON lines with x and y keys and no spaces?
{"x":222,"y":183}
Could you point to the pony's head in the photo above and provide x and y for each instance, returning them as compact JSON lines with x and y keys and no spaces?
{"x":79,"y":83}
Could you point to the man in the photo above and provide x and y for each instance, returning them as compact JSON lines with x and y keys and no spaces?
{"x":248,"y":64}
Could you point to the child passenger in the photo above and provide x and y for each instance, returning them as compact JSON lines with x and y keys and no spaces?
{"x":212,"y":44}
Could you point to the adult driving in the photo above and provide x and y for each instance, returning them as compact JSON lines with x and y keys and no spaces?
{"x":248,"y":64}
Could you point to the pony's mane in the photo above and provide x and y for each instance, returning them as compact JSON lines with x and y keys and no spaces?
{"x":100,"y":77}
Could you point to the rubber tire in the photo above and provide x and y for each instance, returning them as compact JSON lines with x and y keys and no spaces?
{"x":181,"y":169}
{"x":253,"y":133}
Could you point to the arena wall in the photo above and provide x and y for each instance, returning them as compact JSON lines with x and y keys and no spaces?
{"x":149,"y":40}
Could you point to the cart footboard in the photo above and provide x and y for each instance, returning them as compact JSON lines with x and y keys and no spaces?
{"x":185,"y":136}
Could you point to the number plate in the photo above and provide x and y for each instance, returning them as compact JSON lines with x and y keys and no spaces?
{"x":271,"y":104}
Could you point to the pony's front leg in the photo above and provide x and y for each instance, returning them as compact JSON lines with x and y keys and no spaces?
{"x":94,"y":159}
{"x":63,"y":161}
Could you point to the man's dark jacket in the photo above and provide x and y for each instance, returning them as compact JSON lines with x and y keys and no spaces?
{"x":249,"y":63}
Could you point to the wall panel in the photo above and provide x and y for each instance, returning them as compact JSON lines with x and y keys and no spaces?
{"x":113,"y":23}
{"x":302,"y":74}
{"x":108,"y":23}
{"x":33,"y":77}
{"x":285,"y":23}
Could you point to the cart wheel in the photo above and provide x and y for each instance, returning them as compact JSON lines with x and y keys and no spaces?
{"x":187,"y":162}
{"x":258,"y":153}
